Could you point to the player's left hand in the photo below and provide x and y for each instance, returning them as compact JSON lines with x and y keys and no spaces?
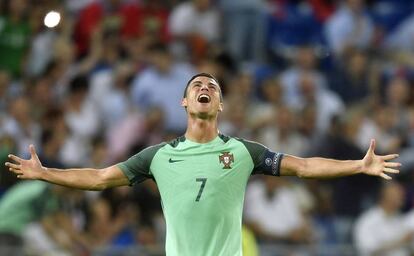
{"x":377,"y":165}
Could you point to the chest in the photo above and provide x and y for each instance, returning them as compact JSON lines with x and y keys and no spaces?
{"x":222,"y":170}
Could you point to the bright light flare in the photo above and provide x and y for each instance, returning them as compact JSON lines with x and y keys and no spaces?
{"x":52,"y":19}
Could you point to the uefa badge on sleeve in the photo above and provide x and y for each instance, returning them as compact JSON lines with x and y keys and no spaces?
{"x":226,"y":159}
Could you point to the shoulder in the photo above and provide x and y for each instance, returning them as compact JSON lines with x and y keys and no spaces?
{"x":252,"y":146}
{"x":145,"y":155}
{"x":152,"y":150}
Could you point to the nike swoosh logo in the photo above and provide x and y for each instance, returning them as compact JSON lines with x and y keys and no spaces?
{"x":174,"y":161}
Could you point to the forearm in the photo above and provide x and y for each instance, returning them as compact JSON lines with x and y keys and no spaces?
{"x":84,"y":178}
{"x":317,"y":167}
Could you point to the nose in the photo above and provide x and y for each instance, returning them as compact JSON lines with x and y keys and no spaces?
{"x":204,"y":87}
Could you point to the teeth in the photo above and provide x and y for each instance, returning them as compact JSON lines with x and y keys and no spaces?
{"x":204,"y":98}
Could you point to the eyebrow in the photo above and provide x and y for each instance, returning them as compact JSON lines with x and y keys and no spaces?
{"x":209,"y":83}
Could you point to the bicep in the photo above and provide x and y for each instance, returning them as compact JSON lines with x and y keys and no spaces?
{"x":292,"y":165}
{"x":113,"y":177}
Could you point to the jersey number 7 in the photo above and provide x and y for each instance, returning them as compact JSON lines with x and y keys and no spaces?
{"x":203,"y":184}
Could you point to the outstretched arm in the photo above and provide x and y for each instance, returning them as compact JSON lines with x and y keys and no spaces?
{"x":316,"y":167}
{"x":85,"y":178}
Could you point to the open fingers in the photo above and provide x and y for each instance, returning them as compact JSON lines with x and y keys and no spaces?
{"x":33,"y":152}
{"x":372,"y":145}
{"x":392,"y":164}
{"x":385,"y":176}
{"x":15,"y":158}
{"x":390,"y":170}
{"x":11,"y":165}
{"x":16,"y":171}
{"x":390,"y":157}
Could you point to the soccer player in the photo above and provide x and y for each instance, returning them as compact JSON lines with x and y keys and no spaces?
{"x":202,"y":175}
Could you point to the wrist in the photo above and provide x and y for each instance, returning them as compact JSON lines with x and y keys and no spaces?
{"x":43,"y":173}
{"x":359,"y":166}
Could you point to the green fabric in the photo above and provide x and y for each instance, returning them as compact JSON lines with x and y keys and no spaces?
{"x":136,"y":168}
{"x":256,"y":150}
{"x":14,"y":41}
{"x":202,"y":187}
{"x":25,"y":202}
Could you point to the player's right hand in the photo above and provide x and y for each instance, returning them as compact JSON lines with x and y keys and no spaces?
{"x":26,"y":169}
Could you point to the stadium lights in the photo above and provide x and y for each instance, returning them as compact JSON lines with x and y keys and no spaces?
{"x":52,"y":19}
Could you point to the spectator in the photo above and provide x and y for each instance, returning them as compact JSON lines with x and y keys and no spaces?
{"x":273,"y":212}
{"x":351,"y":77}
{"x":20,"y":125}
{"x":42,"y":40}
{"x":42,"y":96}
{"x":282,"y":133}
{"x":126,"y":18}
{"x":348,"y":27}
{"x":244,"y":28}
{"x":383,"y":126}
{"x":34,"y":201}
{"x":112,"y":220}
{"x":397,"y":94}
{"x":401,"y":39}
{"x":350,"y":194}
{"x":303,"y":61}
{"x":14,"y":36}
{"x":327,"y":103}
{"x":109,"y":91}
{"x":82,"y":120}
{"x":106,"y":14}
{"x":381,"y":229}
{"x":195,"y":23}
{"x":52,"y":141}
{"x":237,"y":116}
{"x":160,"y":84}
{"x":271,"y":95}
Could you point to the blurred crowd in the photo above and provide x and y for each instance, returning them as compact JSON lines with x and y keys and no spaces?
{"x":308,"y":78}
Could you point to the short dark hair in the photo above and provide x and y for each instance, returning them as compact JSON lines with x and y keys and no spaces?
{"x":204,"y":75}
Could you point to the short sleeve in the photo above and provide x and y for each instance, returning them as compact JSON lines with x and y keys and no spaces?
{"x":265,"y":161}
{"x":137,"y":167}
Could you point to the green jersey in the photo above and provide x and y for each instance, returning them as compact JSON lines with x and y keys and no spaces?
{"x":202,"y":188}
{"x":24,"y":203}
{"x":14,"y":41}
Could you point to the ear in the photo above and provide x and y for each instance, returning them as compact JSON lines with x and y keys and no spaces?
{"x":221,"y":107}
{"x":184,"y":102}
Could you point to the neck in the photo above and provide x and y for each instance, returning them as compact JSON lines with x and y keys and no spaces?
{"x":201,"y":130}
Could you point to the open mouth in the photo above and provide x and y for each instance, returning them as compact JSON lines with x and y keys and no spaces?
{"x":203,"y":98}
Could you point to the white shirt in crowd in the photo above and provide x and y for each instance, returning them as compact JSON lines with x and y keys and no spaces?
{"x":278,"y":215}
{"x":375,"y":228}
{"x":185,"y":20}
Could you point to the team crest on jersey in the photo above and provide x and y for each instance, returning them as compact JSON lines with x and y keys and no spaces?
{"x":226,"y":159}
